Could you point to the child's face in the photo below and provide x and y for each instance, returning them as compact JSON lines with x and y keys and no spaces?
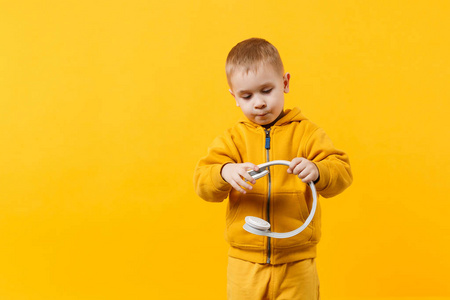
{"x":260,"y":94}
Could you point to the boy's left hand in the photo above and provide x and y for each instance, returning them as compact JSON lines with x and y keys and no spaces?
{"x":306,"y":170}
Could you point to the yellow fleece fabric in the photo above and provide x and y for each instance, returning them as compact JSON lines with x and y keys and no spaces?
{"x":290,"y":199}
{"x":252,"y":281}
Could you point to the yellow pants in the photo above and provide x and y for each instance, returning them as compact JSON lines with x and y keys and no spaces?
{"x":296,"y":280}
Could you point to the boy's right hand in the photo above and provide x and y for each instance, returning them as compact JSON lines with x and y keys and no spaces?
{"x":238,"y":177}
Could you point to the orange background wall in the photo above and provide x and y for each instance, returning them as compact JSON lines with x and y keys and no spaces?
{"x":106,"y":106}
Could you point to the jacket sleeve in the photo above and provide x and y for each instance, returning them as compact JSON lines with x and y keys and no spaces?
{"x":333,"y":164}
{"x":208,"y":182}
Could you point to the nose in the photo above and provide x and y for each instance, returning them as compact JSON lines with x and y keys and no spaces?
{"x":259,"y":102}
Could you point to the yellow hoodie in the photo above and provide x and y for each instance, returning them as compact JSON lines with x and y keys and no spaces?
{"x":280,"y":198}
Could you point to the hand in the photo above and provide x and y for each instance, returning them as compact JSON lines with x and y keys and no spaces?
{"x":238,"y":177}
{"x":306,"y":170}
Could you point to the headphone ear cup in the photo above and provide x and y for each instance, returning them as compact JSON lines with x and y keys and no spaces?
{"x":257,"y":223}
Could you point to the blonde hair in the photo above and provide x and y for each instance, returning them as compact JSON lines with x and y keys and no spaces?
{"x":249,"y":54}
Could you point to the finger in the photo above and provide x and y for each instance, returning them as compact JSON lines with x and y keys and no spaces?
{"x":305,"y":172}
{"x":246,"y":185}
{"x":250,"y":166}
{"x":247,"y":177}
{"x":237,"y":187}
{"x":299,"y":168}
{"x":241,"y":182}
{"x":293,"y":164}
{"x":308,"y":178}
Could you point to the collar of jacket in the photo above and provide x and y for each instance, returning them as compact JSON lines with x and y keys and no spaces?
{"x":291,"y":115}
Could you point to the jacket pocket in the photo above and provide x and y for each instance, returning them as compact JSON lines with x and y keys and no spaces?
{"x":239,"y":207}
{"x":290,"y":210}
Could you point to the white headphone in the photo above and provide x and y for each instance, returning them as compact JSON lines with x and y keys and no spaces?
{"x":259,"y":226}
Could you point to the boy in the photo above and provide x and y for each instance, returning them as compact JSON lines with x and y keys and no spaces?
{"x":260,"y":267}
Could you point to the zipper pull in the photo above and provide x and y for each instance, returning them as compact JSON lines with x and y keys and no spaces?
{"x":267,"y":139}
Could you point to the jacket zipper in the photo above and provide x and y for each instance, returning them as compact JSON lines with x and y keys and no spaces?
{"x":267,"y":146}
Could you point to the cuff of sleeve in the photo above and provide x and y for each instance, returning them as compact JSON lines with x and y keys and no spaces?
{"x":217,"y":180}
{"x":324,"y":176}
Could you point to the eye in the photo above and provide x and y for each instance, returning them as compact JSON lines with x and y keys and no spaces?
{"x":246,"y":96}
{"x":266,"y":91}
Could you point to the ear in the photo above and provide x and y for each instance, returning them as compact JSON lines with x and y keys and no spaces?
{"x":286,"y":79}
{"x":231,"y":92}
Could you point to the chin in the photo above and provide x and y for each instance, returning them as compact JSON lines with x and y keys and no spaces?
{"x":264,"y":123}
